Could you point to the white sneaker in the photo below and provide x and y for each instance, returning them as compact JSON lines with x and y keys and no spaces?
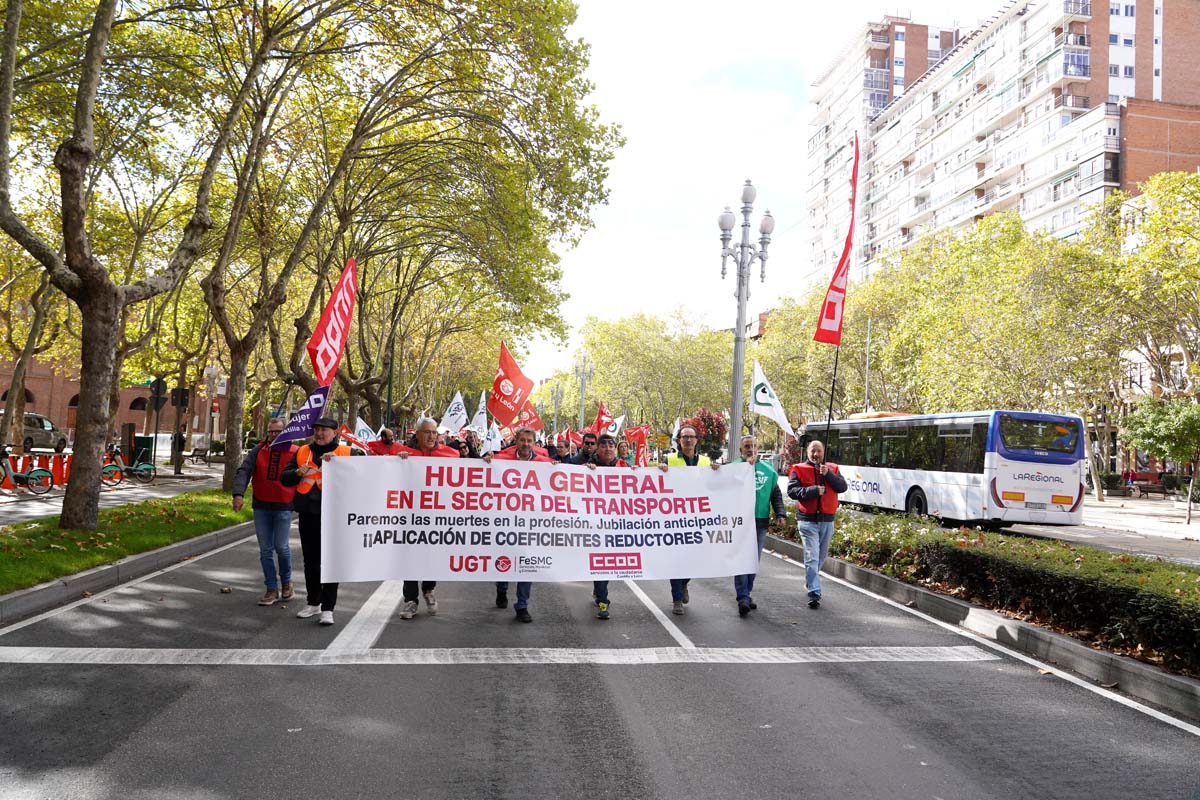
{"x":308,"y":611}
{"x":410,"y":609}
{"x":326,"y":617}
{"x":430,"y":602}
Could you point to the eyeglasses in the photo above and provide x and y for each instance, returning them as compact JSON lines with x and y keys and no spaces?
{"x":274,"y":433}
{"x":687,"y":436}
{"x":589,"y":441}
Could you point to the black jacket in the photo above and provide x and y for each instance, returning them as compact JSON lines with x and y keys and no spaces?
{"x":309,"y":503}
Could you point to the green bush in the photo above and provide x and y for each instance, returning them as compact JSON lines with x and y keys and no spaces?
{"x":1147,"y":608}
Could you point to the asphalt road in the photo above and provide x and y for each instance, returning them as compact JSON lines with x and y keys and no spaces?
{"x":169,"y":688}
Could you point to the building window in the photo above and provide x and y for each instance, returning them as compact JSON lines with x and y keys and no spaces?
{"x":1129,"y":9}
{"x":1156,"y":40}
{"x":1157,"y":72}
{"x":1114,"y":38}
{"x":1114,"y":71}
{"x":1114,"y":9}
{"x":1128,"y":72}
{"x":1114,"y":98}
{"x":899,"y":80}
{"x":899,"y":36}
{"x":1127,"y":41}
{"x":899,"y":62}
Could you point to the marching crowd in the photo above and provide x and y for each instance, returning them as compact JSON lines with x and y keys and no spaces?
{"x":287,"y":481}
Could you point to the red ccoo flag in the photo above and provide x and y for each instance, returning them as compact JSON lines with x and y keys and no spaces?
{"x":602,"y":421}
{"x":329,"y":339}
{"x":637,"y":436}
{"x":829,"y":326}
{"x":510,"y":390}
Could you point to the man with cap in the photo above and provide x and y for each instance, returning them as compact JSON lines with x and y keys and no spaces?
{"x":304,"y":473}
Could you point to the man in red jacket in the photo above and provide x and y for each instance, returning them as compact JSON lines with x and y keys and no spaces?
{"x":524,"y":450}
{"x":427,"y":445}
{"x":815,"y":484}
{"x":272,"y":504}
{"x":385,"y":445}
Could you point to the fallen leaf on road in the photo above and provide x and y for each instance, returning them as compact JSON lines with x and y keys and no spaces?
{"x":295,"y":730}
{"x":1044,"y":672}
{"x":87,"y":594}
{"x":1109,"y":685}
{"x":226,"y":590}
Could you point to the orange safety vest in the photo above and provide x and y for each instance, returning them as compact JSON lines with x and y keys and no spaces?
{"x":304,"y":456}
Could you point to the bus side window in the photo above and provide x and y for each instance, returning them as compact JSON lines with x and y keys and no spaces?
{"x":871,"y":442}
{"x":978,"y":446}
{"x":923,"y":447}
{"x":833,"y":449}
{"x":851,"y":452}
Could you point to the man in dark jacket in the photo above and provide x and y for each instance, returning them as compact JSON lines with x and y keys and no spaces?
{"x":767,"y":498}
{"x":587,"y":451}
{"x":304,"y":473}
{"x":815,"y":485}
{"x":272,"y":504}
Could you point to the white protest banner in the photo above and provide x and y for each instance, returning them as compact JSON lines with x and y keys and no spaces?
{"x":461,"y":519}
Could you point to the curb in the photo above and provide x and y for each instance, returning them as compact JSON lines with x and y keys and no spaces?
{"x":45,"y":596}
{"x":1177,"y":693}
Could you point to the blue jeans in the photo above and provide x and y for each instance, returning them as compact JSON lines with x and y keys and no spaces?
{"x":743,"y":585}
{"x":816,"y":537}
{"x":600,"y":590}
{"x":523,"y":590}
{"x":677,"y":587}
{"x":273,"y":528}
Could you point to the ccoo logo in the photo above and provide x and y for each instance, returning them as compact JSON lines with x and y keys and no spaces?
{"x":503,"y":564}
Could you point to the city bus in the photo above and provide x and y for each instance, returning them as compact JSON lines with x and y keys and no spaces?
{"x":994,"y":467}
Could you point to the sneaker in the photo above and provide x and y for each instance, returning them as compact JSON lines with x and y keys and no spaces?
{"x":753,"y":606}
{"x":308,"y":611}
{"x":288,"y":591}
{"x":326,"y":617}
{"x":409,"y":610}
{"x":601,"y":610}
{"x":430,"y":602}
{"x":501,"y":599}
{"x":814,"y":602}
{"x":686,"y":597}
{"x":743,"y":608}
{"x":523,"y":615}
{"x":677,"y":608}
{"x":269,"y":599}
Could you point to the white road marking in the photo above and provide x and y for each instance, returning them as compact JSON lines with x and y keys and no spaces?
{"x":1033,"y":662}
{"x":127,"y":656}
{"x":16,"y":626}
{"x":367,"y":625}
{"x":672,"y":629}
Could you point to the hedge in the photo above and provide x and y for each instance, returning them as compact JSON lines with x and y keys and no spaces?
{"x":1145,"y":608}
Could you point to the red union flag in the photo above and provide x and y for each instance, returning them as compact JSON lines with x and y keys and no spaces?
{"x":637,"y":436}
{"x":510,"y":390}
{"x":829,"y":326}
{"x":329,"y":339}
{"x":602,"y":421}
{"x":530,"y":418}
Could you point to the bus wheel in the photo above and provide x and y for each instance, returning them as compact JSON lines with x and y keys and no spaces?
{"x":915,"y":505}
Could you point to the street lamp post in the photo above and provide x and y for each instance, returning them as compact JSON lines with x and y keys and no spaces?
{"x":556,"y":394}
{"x":744,"y":255}
{"x":583,"y":371}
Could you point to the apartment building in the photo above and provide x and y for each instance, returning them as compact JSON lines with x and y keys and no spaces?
{"x":1045,"y":108}
{"x":878,"y":64}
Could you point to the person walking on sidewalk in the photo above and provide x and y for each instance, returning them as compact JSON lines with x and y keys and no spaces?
{"x":272,"y":503}
{"x":686,"y":457}
{"x":304,"y":473}
{"x":426,"y":437}
{"x":767,"y":498}
{"x":815,"y":484}
{"x":606,"y":456}
{"x":523,"y":451}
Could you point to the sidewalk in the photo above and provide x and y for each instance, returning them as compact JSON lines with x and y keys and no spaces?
{"x":1157,"y":516}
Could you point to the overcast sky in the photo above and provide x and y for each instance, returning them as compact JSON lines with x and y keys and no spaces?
{"x":707,"y":94}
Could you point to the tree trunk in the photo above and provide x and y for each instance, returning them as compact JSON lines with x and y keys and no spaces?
{"x":100,"y":313}
{"x":1191,"y":490}
{"x":12,"y":428}
{"x":234,"y":412}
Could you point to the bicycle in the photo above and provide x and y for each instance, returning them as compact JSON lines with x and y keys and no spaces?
{"x":37,"y":481}
{"x":113,"y":473}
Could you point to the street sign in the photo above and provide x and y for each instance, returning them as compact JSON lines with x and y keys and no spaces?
{"x":158,"y":388}
{"x":216,"y":405}
{"x":663,"y":440}
{"x":157,"y":401}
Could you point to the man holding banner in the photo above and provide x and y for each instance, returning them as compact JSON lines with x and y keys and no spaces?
{"x":767,"y":498}
{"x":686,"y":457}
{"x":606,"y":456}
{"x":523,"y":451}
{"x":427,"y":445}
{"x":304,"y":473}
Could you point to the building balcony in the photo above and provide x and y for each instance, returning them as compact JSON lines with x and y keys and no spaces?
{"x":877,"y":79}
{"x":878,"y":40}
{"x":1073,"y":40}
{"x":1076,"y":9}
{"x":1112,"y":143}
{"x":1077,"y":70}
{"x":1073,"y":102}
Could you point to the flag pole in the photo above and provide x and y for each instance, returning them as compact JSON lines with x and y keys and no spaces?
{"x":832,"y":388}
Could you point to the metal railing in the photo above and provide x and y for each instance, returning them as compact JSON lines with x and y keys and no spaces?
{"x":1076,"y":101}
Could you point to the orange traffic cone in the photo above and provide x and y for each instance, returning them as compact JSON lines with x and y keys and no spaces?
{"x":67,"y":468}
{"x":58,"y":469}
{"x":7,"y":483}
{"x":26,"y":463}
{"x":42,"y":462}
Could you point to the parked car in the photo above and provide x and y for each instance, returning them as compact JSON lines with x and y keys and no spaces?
{"x":39,"y":432}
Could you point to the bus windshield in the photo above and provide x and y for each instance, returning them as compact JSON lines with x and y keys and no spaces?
{"x":1054,"y":436}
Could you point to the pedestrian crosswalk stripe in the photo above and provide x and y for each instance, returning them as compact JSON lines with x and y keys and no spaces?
{"x":134,"y":656}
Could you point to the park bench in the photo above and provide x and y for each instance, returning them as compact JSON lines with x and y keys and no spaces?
{"x":1144,"y":489}
{"x":197,"y":455}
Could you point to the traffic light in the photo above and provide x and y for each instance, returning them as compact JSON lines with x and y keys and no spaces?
{"x":180,"y":397}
